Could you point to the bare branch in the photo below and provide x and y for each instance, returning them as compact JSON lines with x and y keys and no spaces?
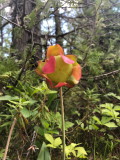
{"x":10,"y":21}
{"x":106,"y":74}
{"x":9,"y":138}
{"x":99,"y":77}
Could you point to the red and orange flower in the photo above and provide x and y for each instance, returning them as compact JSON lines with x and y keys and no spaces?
{"x":59,"y":69}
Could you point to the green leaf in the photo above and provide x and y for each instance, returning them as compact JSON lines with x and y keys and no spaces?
{"x":39,"y":130}
{"x":2,"y":153}
{"x":111,"y":113}
{"x":44,"y":123}
{"x":8,"y":98}
{"x":53,"y":131}
{"x":105,"y":119}
{"x":50,"y":145}
{"x":25,"y":112}
{"x":49,"y":138}
{"x":43,"y":88}
{"x":67,"y":151}
{"x":54,"y":142}
{"x":96,"y":119}
{"x":5,"y":124}
{"x":57,"y":142}
{"x":106,"y":112}
{"x":107,"y":106}
{"x":113,"y":95}
{"x":92,"y":127}
{"x":30,"y":102}
{"x":68,"y":125}
{"x":44,"y":153}
{"x":70,"y":149}
{"x":72,"y":145}
{"x":111,"y":125}
{"x":117,"y":108}
{"x":81,"y":152}
{"x":51,"y":97}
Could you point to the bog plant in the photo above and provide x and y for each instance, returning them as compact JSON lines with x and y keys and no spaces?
{"x":59,"y":70}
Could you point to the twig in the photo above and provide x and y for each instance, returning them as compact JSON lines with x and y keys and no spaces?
{"x":99,"y":77}
{"x":106,"y":74}
{"x":18,"y":155}
{"x":42,"y":35}
{"x":10,"y":21}
{"x":32,"y":146}
{"x":63,"y":121}
{"x":29,"y":31}
{"x":9,"y":137}
{"x":69,"y":32}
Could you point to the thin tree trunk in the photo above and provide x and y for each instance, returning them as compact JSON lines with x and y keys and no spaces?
{"x":22,"y":38}
{"x":58,"y":30}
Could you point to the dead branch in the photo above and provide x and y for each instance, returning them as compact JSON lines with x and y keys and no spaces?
{"x":9,"y":137}
{"x":102,"y":76}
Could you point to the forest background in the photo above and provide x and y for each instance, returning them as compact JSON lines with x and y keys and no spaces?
{"x":89,"y":29}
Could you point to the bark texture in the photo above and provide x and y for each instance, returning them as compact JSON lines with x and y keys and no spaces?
{"x":23,"y":36}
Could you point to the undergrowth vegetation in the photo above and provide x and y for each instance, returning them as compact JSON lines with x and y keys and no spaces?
{"x":91,"y":116}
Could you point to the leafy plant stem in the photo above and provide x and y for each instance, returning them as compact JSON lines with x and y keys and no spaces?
{"x":9,"y":137}
{"x":63,"y":122}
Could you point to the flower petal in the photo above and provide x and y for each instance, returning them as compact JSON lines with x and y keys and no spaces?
{"x":49,"y":66}
{"x":77,"y":72}
{"x":76,"y":75}
{"x":67,"y":60}
{"x":49,"y":82}
{"x":54,"y":50}
{"x":60,"y":84}
{"x":62,"y":70}
{"x":72,"y":57}
{"x":44,"y":76}
{"x":59,"y":69}
{"x":38,"y":70}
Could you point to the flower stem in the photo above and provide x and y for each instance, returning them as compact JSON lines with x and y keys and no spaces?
{"x":63,"y":122}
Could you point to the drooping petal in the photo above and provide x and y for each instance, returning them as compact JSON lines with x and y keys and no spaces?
{"x":67,"y":60}
{"x":75,"y":76}
{"x":49,"y":82}
{"x":49,"y":66}
{"x":54,"y":50}
{"x":45,"y":76}
{"x":77,"y":72}
{"x":38,"y":70}
{"x":60,"y":84}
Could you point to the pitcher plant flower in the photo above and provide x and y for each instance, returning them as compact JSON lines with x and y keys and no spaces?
{"x":59,"y":69}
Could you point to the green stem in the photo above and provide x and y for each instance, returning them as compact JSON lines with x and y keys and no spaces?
{"x":63,"y":121}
